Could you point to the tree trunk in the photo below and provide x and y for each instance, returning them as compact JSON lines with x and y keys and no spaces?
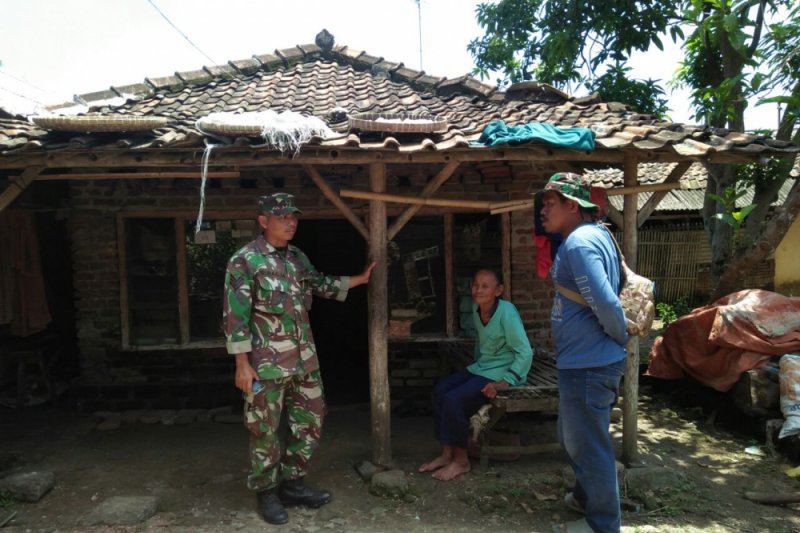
{"x":772,"y":235}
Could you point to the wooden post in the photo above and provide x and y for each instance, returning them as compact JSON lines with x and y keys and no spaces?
{"x":183,"y":283}
{"x":378,"y":308}
{"x":630,"y":400}
{"x":449,"y":278}
{"x":505,"y":223}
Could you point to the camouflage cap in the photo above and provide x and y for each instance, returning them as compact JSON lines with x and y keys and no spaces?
{"x":279,"y":203}
{"x":572,"y":186}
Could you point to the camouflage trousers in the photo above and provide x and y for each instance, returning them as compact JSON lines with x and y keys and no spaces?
{"x":301,"y":398}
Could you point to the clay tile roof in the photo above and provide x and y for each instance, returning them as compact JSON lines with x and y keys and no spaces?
{"x":318,"y":78}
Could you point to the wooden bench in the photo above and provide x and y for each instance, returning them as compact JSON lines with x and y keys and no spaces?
{"x":538,"y":394}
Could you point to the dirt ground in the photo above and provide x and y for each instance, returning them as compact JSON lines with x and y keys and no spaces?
{"x":197,"y":470}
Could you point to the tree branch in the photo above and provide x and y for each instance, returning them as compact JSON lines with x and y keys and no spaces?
{"x":751,"y":50}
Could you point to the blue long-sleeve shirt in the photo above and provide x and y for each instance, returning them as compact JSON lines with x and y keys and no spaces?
{"x":593,"y":335}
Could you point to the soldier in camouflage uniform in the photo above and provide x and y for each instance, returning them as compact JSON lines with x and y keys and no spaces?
{"x":268,"y":292}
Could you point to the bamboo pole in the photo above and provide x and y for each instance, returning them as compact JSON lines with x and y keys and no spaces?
{"x":630,"y":401}
{"x":449,"y":277}
{"x":432,"y":186}
{"x":398,"y":199}
{"x":378,"y":307}
{"x":328,"y":192}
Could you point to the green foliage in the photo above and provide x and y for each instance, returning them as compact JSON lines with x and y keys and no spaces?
{"x":555,"y":40}
{"x":671,"y":312}
{"x":732,"y":216}
{"x":617,"y":86}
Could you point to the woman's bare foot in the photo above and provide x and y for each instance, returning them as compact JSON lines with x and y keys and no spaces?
{"x":435,"y":464}
{"x":452,"y":471}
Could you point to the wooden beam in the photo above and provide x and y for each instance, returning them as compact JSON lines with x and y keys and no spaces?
{"x":183,"y":283}
{"x":251,"y":157}
{"x":378,"y":308}
{"x":431,"y":187}
{"x":398,"y":199}
{"x":134,"y":175}
{"x":122,"y":257}
{"x":17,"y":186}
{"x":615,"y":216}
{"x":672,"y":180}
{"x":619,"y":191}
{"x":630,"y":399}
{"x":328,"y":192}
{"x":451,"y":315}
{"x":505,"y":226}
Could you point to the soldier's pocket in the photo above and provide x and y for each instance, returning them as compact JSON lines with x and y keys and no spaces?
{"x":256,"y":415}
{"x":272,"y":295}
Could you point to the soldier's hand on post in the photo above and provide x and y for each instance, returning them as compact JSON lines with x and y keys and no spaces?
{"x":362,"y":278}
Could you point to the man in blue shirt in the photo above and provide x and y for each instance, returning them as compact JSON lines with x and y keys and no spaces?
{"x":589,"y":329}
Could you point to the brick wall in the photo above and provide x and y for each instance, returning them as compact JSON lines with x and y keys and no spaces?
{"x":96,"y":273}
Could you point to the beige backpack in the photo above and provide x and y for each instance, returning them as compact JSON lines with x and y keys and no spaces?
{"x":637,"y":296}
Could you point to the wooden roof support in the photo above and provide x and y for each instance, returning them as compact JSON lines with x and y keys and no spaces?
{"x":399,"y":199}
{"x":432,"y":186}
{"x":378,"y":309}
{"x":450,"y":305}
{"x":630,"y":399}
{"x":135,"y":175}
{"x":18,"y":185}
{"x":651,"y":204}
{"x":328,"y":192}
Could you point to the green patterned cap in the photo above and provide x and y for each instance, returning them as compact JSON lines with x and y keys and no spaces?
{"x":279,"y":203}
{"x":572,"y":186}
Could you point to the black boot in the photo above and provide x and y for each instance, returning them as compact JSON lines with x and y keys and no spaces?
{"x":295,"y":492}
{"x":271,"y":508}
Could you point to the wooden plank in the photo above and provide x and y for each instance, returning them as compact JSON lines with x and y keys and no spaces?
{"x":449,"y":278}
{"x":378,"y":307}
{"x":251,"y":157}
{"x":135,"y":175}
{"x":430,"y":188}
{"x":505,"y":227}
{"x":630,"y":401}
{"x":672,"y":180}
{"x":17,"y":186}
{"x":122,"y":257}
{"x":398,"y":199}
{"x":328,"y":192}
{"x":183,"y":284}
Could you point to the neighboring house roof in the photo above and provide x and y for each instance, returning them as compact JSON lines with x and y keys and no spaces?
{"x":690,"y":195}
{"x":317,"y":80}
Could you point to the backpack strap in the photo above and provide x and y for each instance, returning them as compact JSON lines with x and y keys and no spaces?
{"x":572,"y":295}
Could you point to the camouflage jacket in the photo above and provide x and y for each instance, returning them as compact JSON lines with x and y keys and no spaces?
{"x":268,"y":295}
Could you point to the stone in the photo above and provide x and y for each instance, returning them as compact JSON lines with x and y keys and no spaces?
{"x":123,"y":511}
{"x":109,"y":424}
{"x":389,"y":484}
{"x":642,"y":482}
{"x":367,"y":469}
{"x":229,"y":418}
{"x":28,"y":486}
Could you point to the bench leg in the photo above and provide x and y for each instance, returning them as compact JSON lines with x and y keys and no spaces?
{"x":495,"y":414}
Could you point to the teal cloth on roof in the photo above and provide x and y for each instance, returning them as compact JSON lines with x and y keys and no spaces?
{"x":498,"y":133}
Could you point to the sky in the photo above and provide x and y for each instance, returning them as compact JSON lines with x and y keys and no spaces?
{"x":51,"y":50}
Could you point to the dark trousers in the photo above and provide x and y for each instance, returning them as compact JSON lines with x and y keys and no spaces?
{"x":455,"y":399}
